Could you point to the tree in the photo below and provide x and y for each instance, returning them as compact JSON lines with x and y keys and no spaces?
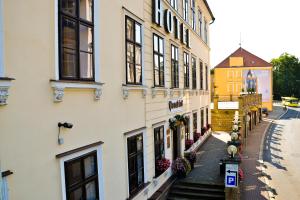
{"x":286,"y":76}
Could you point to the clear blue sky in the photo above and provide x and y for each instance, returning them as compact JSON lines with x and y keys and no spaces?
{"x":268,"y":28}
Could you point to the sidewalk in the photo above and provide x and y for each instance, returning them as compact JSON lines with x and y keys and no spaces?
{"x":207,"y":168}
{"x":253,"y":187}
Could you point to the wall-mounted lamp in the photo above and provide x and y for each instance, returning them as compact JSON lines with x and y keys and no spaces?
{"x":60,"y":140}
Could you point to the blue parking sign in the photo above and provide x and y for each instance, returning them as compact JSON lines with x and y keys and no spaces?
{"x":231,"y":175}
{"x":231,"y":181}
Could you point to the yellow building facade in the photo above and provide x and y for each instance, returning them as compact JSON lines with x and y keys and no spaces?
{"x":243,"y":72}
{"x":87,"y":89}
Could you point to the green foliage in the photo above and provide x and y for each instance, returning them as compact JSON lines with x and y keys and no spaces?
{"x":286,"y":76}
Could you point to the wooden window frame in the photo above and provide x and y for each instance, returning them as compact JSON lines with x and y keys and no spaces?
{"x":186,"y":69}
{"x":174,"y":67}
{"x":135,"y":45}
{"x":194,"y":73}
{"x":158,"y":142}
{"x":201,"y":76}
{"x":161,"y":83}
{"x":138,"y":188}
{"x":185,"y":10}
{"x":84,"y":180}
{"x":78,"y":20}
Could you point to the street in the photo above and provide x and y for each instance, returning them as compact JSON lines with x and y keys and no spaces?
{"x":282,"y":156}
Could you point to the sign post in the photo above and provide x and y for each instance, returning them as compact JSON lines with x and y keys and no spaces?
{"x":231,"y":175}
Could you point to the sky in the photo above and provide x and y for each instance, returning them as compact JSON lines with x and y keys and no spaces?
{"x":267,"y":28}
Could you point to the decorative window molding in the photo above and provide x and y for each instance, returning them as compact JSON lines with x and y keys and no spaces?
{"x":5,"y":84}
{"x":127,"y":88}
{"x":154,"y":90}
{"x":76,"y":154}
{"x":60,"y":86}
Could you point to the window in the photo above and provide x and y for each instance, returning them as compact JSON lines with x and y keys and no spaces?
{"x":174,"y":67}
{"x":174,"y":4}
{"x":81,"y":177}
{"x":4,"y":188}
{"x":159,"y":147}
{"x":205,"y":32}
{"x":185,"y":8}
{"x":158,"y":56}
{"x":194,"y":76}
{"x":193,"y":10}
{"x":135,"y":163}
{"x":133,"y":52}
{"x":202,"y":118}
{"x":187,"y":128}
{"x":207,"y":117}
{"x":186,"y":70}
{"x":76,"y":40}
{"x":201,"y":75}
{"x":195,"y":122}
{"x":200,"y":22}
{"x":206,"y":76}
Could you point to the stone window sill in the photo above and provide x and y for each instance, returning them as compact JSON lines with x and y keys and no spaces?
{"x":127,"y":88}
{"x":59,"y":87}
{"x":5,"y":84}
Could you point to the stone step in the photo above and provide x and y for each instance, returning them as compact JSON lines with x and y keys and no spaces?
{"x":200,"y":185}
{"x":192,"y":195}
{"x":198,"y":189}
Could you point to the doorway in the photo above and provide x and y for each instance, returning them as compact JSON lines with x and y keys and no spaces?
{"x":176,"y":142}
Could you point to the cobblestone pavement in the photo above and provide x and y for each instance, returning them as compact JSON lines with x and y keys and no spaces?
{"x":208,"y":157}
{"x":253,"y":186}
{"x":282,"y":156}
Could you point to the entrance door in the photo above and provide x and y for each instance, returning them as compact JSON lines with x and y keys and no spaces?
{"x":175,"y":143}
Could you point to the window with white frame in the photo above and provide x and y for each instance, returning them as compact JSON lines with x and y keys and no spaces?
{"x":194,"y":73}
{"x":174,"y":4}
{"x":186,"y":65}
{"x":133,"y":51}
{"x":205,"y":32}
{"x":159,"y":147}
{"x":193,"y":12}
{"x":3,"y":188}
{"x":82,"y":176}
{"x":135,"y":153}
{"x":200,"y":22}
{"x":76,"y":39}
{"x":174,"y":67}
{"x":185,"y":8}
{"x":159,"y":62}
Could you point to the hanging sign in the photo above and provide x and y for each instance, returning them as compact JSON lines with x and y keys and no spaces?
{"x":176,"y":105}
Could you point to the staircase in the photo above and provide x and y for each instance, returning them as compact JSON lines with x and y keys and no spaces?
{"x":186,"y":190}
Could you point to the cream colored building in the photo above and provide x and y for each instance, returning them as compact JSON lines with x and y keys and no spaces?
{"x":91,"y":63}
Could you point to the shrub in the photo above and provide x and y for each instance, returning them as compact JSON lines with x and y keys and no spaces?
{"x":191,"y":157}
{"x":196,"y":136}
{"x":188,"y":144}
{"x":162,"y":165}
{"x":178,"y":167}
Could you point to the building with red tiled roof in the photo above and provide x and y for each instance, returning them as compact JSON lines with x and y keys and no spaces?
{"x":242,"y":72}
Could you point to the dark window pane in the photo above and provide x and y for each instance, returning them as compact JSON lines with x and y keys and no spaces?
{"x":139,"y":143}
{"x":76,"y":194}
{"x":130,"y":53}
{"x":130,"y":29}
{"x":138,"y":33}
{"x":69,"y":33}
{"x":155,"y":43}
{"x":86,"y":38}
{"x":86,"y":9}
{"x":131,"y":165}
{"x":140,"y":176}
{"x":69,"y":6}
{"x":161,"y":46}
{"x":69,"y":63}
{"x":73,"y":172}
{"x":89,"y":166}
{"x":140,"y":163}
{"x":90,"y":189}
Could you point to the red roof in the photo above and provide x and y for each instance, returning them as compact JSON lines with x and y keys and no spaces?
{"x":250,"y":60}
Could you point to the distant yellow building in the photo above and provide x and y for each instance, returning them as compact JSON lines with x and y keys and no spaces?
{"x":244,"y":72}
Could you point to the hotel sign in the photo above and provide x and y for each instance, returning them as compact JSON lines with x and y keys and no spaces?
{"x":170,"y":22}
{"x":176,"y":105}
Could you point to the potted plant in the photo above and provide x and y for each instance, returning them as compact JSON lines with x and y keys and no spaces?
{"x":188,"y":143}
{"x":181,"y":167}
{"x":196,"y":136}
{"x":191,"y":157}
{"x":162,"y":165}
{"x":203,"y":130}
